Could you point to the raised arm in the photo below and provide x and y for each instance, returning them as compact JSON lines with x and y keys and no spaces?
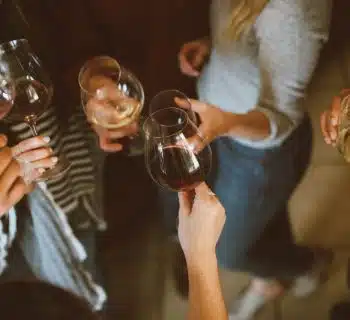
{"x":200,"y":224}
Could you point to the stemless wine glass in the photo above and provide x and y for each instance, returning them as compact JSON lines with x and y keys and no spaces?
{"x":112,"y":98}
{"x":171,"y":159}
{"x":170,"y":99}
{"x":33,"y":91}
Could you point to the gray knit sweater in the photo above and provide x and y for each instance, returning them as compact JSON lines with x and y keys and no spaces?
{"x":271,"y":69}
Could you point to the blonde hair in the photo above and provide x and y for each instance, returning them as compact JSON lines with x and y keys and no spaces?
{"x":242,"y":17}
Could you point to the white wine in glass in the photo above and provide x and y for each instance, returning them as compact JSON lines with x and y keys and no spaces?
{"x":112,"y":97}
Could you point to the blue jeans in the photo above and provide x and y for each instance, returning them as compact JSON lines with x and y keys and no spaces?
{"x":254,"y":186}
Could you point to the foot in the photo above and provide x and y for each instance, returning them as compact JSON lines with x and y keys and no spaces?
{"x":308,"y":283}
{"x":254,"y":298}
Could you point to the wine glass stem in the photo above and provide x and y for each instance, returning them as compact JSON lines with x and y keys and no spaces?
{"x":32,"y":126}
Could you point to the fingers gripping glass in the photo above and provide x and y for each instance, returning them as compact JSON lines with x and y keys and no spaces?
{"x":170,"y":157}
{"x":32,"y":89}
{"x":172,"y":99}
{"x":112,"y":97}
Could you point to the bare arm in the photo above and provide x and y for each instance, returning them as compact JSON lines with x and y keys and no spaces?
{"x":206,"y":301}
{"x":201,"y":220}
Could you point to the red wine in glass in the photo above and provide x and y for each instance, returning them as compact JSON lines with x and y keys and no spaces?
{"x":179,"y":169}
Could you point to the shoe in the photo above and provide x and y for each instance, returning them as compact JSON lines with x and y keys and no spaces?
{"x":340,"y":311}
{"x":308,"y":283}
{"x":247,"y":305}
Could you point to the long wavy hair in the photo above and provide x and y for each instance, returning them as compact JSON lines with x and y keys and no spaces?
{"x":243,"y":16}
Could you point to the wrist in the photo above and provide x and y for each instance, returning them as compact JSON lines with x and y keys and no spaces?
{"x":230,"y":122}
{"x":201,"y":261}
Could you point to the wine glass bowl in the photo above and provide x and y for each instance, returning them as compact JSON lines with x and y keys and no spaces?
{"x":32,"y":85}
{"x":171,"y":158}
{"x":7,"y":96}
{"x":110,"y":104}
{"x":170,"y":99}
{"x":112,"y":97}
{"x":33,"y":91}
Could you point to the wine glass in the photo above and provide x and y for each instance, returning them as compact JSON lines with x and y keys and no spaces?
{"x":170,"y":99}
{"x":7,"y":96}
{"x":343,"y":142}
{"x":171,"y":159}
{"x":33,"y":91}
{"x":112,"y":98}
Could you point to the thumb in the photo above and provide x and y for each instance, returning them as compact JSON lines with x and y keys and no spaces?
{"x":3,"y":140}
{"x":198,"y":106}
{"x":195,"y":105}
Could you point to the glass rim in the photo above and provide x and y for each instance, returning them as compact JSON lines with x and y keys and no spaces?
{"x":12,"y":45}
{"x":124,"y":70}
{"x":150,"y":118}
{"x":184,"y":96}
{"x":96,"y":58}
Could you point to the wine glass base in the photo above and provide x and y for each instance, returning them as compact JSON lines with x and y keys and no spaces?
{"x":55,"y":172}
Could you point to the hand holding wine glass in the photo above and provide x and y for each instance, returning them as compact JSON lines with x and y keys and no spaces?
{"x":330,"y":118}
{"x":214,"y":122}
{"x":35,"y":157}
{"x":201,"y":220}
{"x":33,"y":91}
{"x":170,"y":158}
{"x":113,"y":99}
{"x":172,"y":99}
{"x":11,"y":184}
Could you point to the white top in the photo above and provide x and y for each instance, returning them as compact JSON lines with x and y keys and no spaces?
{"x":270,"y":71}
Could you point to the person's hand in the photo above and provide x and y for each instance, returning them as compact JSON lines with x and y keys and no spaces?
{"x":101,"y":108}
{"x":201,"y":220}
{"x":12,"y":187}
{"x":330,"y":119}
{"x":108,"y":139}
{"x":34,"y":156}
{"x":214,"y":122}
{"x":193,"y":55}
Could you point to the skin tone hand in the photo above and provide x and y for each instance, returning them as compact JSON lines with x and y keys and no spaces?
{"x":201,"y":220}
{"x":216,"y":122}
{"x":106,"y":92}
{"x":330,"y":119}
{"x":34,"y":156}
{"x":193,"y":55}
{"x":12,"y":187}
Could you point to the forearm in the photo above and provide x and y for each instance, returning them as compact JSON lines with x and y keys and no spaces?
{"x":205,"y":296}
{"x":253,"y":125}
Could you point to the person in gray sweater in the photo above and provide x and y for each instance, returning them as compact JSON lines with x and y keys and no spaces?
{"x":253,"y":72}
